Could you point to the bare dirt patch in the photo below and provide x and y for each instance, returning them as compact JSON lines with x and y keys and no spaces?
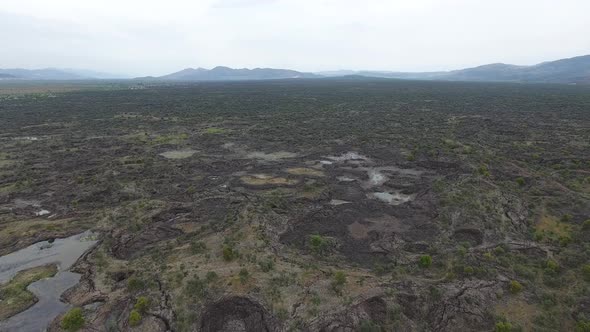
{"x":305,"y":171}
{"x":264,"y":179}
{"x":178,"y":154}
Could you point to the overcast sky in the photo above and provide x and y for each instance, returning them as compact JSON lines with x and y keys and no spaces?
{"x":144,"y":37}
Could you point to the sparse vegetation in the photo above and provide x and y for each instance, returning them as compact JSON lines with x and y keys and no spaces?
{"x":338,"y":282}
{"x":425,"y":261}
{"x":244,"y":275}
{"x":318,"y":244}
{"x":14,"y":296}
{"x":257,"y":193}
{"x":142,"y":304}
{"x":229,"y":253}
{"x":134,"y":317}
{"x":503,"y":327}
{"x":515,"y":287}
{"x":73,"y":320}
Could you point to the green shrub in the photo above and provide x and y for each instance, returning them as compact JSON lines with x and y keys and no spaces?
{"x":134,"y":318}
{"x":564,"y":240}
{"x":338,"y":282}
{"x":211,"y":276}
{"x":229,"y":253}
{"x":196,"y":288}
{"x":552,"y":265}
{"x":316,"y":299}
{"x":583,"y":326}
{"x":515,"y":287}
{"x":586,"y":225}
{"x":483,"y":170}
{"x":548,"y":300}
{"x":266,"y":265}
{"x":524,"y":271}
{"x":499,"y":250}
{"x":135,"y":285}
{"x":425,"y":261}
{"x":282,"y":313}
{"x":503,"y":327}
{"x":73,"y":320}
{"x":244,"y":275}
{"x":468,"y":270}
{"x":586,"y":272}
{"x":369,"y":326}
{"x":142,"y":304}
{"x":318,"y":244}
{"x":520,"y":181}
{"x":198,"y":247}
{"x":462,"y":250}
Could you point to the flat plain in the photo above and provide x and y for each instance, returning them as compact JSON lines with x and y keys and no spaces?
{"x":304,"y":205}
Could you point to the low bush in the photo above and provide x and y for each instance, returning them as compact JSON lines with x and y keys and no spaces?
{"x":425,"y":261}
{"x":73,"y":320}
{"x":515,"y":287}
{"x":134,"y":318}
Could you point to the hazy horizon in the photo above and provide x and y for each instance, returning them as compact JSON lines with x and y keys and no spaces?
{"x":135,"y":38}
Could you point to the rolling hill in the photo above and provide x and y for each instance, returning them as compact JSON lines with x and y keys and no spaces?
{"x":572,"y":70}
{"x":221,"y":73}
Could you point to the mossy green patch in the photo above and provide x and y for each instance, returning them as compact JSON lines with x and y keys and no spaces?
{"x":214,"y":130}
{"x":14,"y":295}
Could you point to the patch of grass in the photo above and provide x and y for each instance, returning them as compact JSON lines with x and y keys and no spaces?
{"x":583,"y":326}
{"x":169,"y":139}
{"x":338,"y":282}
{"x":516,"y":309}
{"x":135,"y":285}
{"x":142,"y":304}
{"x":134,"y":317}
{"x":229,"y":253}
{"x":369,"y":326}
{"x":244,"y":275}
{"x":515,"y":287}
{"x":31,"y":227}
{"x":214,"y":130}
{"x":586,"y":272}
{"x":266,"y":265}
{"x":261,"y":180}
{"x":425,"y":261}
{"x":14,"y":294}
{"x":550,"y":228}
{"x":73,"y":320}
{"x":211,"y":276}
{"x":503,"y":327}
{"x":198,"y":247}
{"x":305,"y":171}
{"x":318,"y":244}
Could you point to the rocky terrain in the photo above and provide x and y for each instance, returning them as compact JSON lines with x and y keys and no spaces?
{"x":308,"y":205}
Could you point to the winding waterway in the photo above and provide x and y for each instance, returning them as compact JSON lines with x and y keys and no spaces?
{"x":63,"y":252}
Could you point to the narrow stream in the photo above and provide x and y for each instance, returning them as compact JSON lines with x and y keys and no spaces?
{"x":64,"y":253}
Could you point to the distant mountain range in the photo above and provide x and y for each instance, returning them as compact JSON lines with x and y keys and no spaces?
{"x":228,"y":74}
{"x":569,"y":71}
{"x":572,"y":70}
{"x":54,"y":74}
